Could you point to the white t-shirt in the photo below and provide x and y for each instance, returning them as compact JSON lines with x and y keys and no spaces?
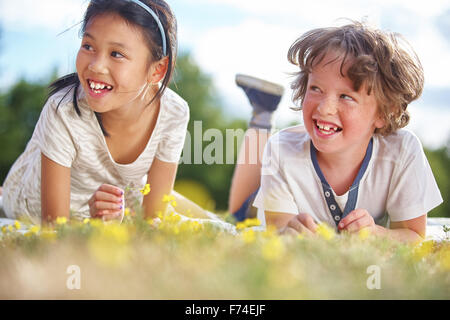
{"x":397,"y":185}
{"x":78,"y":143}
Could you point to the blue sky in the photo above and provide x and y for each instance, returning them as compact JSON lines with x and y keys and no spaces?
{"x":242,"y":36}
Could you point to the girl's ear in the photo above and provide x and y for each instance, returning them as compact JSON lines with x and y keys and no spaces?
{"x":158,"y":70}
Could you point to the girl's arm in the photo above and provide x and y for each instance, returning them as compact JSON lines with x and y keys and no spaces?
{"x":55,"y":190}
{"x":161,"y":178}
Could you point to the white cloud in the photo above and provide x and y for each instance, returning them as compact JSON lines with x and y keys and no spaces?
{"x":50,"y":14}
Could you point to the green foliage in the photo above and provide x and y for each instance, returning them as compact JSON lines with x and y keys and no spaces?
{"x":19,"y":111}
{"x":440,"y":164}
{"x":198,"y":90}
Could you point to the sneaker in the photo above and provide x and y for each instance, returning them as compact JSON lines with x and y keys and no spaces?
{"x":264,"y":96}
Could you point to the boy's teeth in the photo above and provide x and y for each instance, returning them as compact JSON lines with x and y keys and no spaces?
{"x":97,"y":86}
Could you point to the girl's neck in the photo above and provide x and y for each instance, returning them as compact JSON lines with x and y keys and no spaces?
{"x":132,"y":114}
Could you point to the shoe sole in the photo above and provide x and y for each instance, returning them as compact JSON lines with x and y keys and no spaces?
{"x":259,"y":84}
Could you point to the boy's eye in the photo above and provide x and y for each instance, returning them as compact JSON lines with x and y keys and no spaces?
{"x":314,"y":88}
{"x":346,"y":97}
{"x":116,"y":54}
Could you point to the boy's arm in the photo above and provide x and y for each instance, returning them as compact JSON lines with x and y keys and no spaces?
{"x":55,"y":190}
{"x":161,"y":178}
{"x":285,"y":222}
{"x":407,"y":231}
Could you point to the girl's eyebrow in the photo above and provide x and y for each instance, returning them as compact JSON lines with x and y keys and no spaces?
{"x":87,"y":34}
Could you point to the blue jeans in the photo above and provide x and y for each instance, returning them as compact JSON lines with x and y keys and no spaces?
{"x":247,"y":210}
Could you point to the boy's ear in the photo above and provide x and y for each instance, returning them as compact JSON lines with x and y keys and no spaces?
{"x":158,"y":70}
{"x":380,"y":122}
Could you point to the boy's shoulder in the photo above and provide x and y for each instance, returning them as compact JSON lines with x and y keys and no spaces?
{"x":400,"y":142}
{"x":292,"y":139}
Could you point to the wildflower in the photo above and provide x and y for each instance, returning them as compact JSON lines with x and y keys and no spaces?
{"x":34,"y":230}
{"x":248,"y":236}
{"x":273,"y":249}
{"x":174,"y":203}
{"x":364,"y":233}
{"x":10,"y":228}
{"x":252,"y":222}
{"x":325,"y":231}
{"x":86,"y":220}
{"x":61,"y":220}
{"x":424,"y":249}
{"x":4,"y":229}
{"x":145,"y":190}
{"x":240,"y":226}
{"x":17,"y":225}
{"x":168,"y":198}
{"x":445,"y":259}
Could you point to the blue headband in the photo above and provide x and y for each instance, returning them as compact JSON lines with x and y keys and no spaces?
{"x":161,"y":28}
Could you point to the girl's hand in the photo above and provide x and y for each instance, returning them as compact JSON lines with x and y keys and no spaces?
{"x":107,"y":203}
{"x":301,"y":223}
{"x":357,"y":220}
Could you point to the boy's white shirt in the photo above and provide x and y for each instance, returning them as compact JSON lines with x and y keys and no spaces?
{"x":78,"y":143}
{"x":398,"y":184}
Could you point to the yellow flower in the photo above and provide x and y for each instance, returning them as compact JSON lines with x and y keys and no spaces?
{"x":61,"y":220}
{"x":174,"y":203}
{"x":10,"y":228}
{"x":424,"y":249}
{"x":86,"y":220}
{"x":445,"y":259}
{"x":34,"y":230}
{"x":168,"y":198}
{"x":240,"y":226}
{"x":4,"y":229}
{"x":252,"y":222}
{"x":17,"y":225}
{"x":273,"y":249}
{"x":126,"y":212}
{"x":248,"y":236}
{"x":146,"y":189}
{"x":364,"y":233}
{"x":325,"y":231}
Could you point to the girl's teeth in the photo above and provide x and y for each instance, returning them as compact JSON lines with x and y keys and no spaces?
{"x":109,"y":87}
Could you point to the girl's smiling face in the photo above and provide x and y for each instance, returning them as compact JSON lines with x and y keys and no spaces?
{"x":338,"y":118}
{"x":113,"y":63}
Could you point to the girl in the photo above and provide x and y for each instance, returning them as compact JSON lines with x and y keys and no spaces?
{"x":113,"y":124}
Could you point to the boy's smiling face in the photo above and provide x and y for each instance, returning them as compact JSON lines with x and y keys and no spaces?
{"x":338,"y":119}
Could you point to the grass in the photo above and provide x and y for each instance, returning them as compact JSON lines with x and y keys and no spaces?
{"x":176,"y":259}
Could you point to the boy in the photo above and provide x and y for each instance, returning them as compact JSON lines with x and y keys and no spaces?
{"x":351,"y":165}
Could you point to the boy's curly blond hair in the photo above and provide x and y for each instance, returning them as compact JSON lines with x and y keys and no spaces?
{"x":382,"y":61}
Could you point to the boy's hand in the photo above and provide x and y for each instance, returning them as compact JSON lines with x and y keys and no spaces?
{"x":301,"y":223}
{"x":107,"y":203}
{"x":357,"y":220}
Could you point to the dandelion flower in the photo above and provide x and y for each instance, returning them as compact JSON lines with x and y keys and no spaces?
{"x":168,"y":198}
{"x":126,"y":212}
{"x":146,"y":189}
{"x":17,"y":225}
{"x":86,"y":220}
{"x":364,"y":233}
{"x":10,"y":228}
{"x":4,"y":229}
{"x":61,"y":220}
{"x":273,"y":249}
{"x":325,"y":231}
{"x":248,"y":236}
{"x":174,"y":203}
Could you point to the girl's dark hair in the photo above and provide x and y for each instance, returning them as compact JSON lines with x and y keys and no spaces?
{"x":382,"y":61}
{"x":135,"y":15}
